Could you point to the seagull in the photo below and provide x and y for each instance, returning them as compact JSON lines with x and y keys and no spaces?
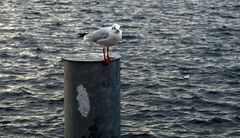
{"x":105,"y":37}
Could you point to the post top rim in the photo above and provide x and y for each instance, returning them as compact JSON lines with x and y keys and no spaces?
{"x":88,"y":57}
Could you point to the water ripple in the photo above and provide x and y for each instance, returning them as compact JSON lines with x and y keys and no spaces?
{"x":163,"y":41}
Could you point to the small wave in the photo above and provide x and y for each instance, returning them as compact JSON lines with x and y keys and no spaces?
{"x":56,"y":101}
{"x":233,"y":134}
{"x":215,"y":120}
{"x":144,"y":135}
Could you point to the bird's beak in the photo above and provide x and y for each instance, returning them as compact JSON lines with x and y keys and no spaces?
{"x":117,"y":31}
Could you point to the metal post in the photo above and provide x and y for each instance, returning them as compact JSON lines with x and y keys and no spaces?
{"x":91,"y":96}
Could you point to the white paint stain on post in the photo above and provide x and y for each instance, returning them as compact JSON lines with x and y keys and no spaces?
{"x":83,"y":100}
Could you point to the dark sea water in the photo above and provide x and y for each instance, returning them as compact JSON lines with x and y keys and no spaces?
{"x":180,"y":65}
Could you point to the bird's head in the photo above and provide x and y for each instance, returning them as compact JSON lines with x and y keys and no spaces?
{"x":116,"y":28}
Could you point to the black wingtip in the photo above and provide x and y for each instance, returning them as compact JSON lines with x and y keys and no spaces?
{"x":81,"y":34}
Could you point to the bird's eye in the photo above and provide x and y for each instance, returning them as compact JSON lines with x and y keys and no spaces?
{"x":114,"y":28}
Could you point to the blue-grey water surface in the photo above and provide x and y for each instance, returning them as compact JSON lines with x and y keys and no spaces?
{"x":180,"y":65}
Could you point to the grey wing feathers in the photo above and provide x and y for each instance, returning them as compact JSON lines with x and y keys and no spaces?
{"x":97,"y":35}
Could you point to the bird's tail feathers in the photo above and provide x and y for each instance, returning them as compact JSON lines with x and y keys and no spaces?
{"x":81,"y":35}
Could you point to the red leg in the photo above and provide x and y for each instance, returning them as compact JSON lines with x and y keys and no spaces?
{"x":106,"y":58}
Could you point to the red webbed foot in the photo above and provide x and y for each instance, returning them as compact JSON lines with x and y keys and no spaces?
{"x":107,"y":60}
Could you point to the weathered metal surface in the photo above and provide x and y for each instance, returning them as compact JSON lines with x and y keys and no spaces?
{"x":91,"y":96}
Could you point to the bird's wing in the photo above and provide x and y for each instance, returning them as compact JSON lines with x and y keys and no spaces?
{"x":97,"y":35}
